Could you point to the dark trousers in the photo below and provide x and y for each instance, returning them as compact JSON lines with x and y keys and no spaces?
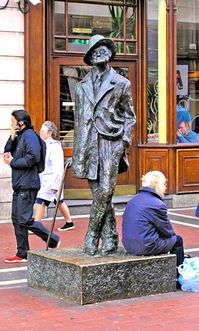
{"x":22,"y":212}
{"x":178,"y":250}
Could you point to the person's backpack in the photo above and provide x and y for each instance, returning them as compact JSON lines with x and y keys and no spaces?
{"x":41,"y":163}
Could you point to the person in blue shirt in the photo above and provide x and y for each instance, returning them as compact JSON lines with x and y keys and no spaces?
{"x":185,"y":134}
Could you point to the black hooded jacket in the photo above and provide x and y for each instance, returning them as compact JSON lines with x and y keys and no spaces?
{"x":26,"y":151}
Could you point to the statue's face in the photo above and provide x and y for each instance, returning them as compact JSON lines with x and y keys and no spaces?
{"x":100,"y":55}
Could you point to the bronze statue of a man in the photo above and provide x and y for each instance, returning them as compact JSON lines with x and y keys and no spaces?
{"x":104,"y":118}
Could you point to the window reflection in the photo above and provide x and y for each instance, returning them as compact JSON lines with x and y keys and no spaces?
{"x":69,"y":77}
{"x":187,"y":80}
{"x":78,"y":21}
{"x":60,"y":24}
{"x":60,"y":44}
{"x":152,"y":84}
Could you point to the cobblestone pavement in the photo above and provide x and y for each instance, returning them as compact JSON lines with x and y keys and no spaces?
{"x":24,"y":308}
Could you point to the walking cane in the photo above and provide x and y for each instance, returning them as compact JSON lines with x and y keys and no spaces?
{"x":67,"y":165}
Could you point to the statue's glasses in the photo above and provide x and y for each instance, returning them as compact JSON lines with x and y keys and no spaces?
{"x":101,"y":50}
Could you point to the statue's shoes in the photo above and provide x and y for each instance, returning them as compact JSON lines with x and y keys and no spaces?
{"x":109,"y":246}
{"x":91,"y":244}
{"x":89,"y":250}
{"x":108,"y":249}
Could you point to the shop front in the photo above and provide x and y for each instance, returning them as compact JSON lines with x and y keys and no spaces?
{"x":157,"y":45}
{"x":172,"y":87}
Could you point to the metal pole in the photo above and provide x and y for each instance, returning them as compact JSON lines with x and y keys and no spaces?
{"x":67,"y":165}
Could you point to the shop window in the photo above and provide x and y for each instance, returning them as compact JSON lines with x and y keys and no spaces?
{"x":76,"y":22}
{"x":156,"y":79}
{"x":69,"y":77}
{"x":187,"y":75}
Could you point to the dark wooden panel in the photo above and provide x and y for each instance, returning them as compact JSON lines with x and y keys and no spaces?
{"x":153,"y":159}
{"x":158,"y":159}
{"x":187,"y":180}
{"x":35,"y":77}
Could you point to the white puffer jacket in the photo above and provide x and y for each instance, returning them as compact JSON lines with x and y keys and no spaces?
{"x":54,"y":166}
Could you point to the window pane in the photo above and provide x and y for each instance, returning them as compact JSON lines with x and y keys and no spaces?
{"x":107,"y":20}
{"x":60,"y":44}
{"x":130,"y":23}
{"x":152,"y":85}
{"x":69,"y":77}
{"x":105,"y":17}
{"x":60,"y":23}
{"x":131,"y":2}
{"x":94,"y":19}
{"x":157,"y":70}
{"x":78,"y":45}
{"x":130,"y":48}
{"x":187,"y":76}
{"x":117,"y":21}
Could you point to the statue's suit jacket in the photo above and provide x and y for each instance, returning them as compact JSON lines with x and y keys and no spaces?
{"x":110,"y":115}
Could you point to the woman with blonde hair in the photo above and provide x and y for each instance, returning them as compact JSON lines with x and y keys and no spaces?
{"x":146,"y":228}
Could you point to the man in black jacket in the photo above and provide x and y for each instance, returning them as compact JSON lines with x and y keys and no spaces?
{"x":22,"y":152}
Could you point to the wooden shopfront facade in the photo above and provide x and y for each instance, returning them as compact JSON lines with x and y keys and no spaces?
{"x":154,"y":39}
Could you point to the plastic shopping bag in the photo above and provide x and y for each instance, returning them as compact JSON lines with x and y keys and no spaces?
{"x":189,"y":274}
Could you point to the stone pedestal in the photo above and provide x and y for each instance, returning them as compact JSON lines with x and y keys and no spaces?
{"x":71,"y":274}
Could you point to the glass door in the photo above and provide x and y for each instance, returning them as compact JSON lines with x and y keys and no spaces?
{"x":187,"y":76}
{"x":66,"y":76}
{"x":69,"y":77}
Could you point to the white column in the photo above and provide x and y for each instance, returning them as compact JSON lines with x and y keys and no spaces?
{"x":11,"y":87}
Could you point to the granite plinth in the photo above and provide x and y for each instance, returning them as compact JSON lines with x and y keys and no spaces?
{"x":83,"y":279}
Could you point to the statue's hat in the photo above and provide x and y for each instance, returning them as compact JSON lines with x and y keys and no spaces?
{"x":96,"y":41}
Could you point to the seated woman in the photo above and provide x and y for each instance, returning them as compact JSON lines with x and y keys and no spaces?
{"x":146,"y":228}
